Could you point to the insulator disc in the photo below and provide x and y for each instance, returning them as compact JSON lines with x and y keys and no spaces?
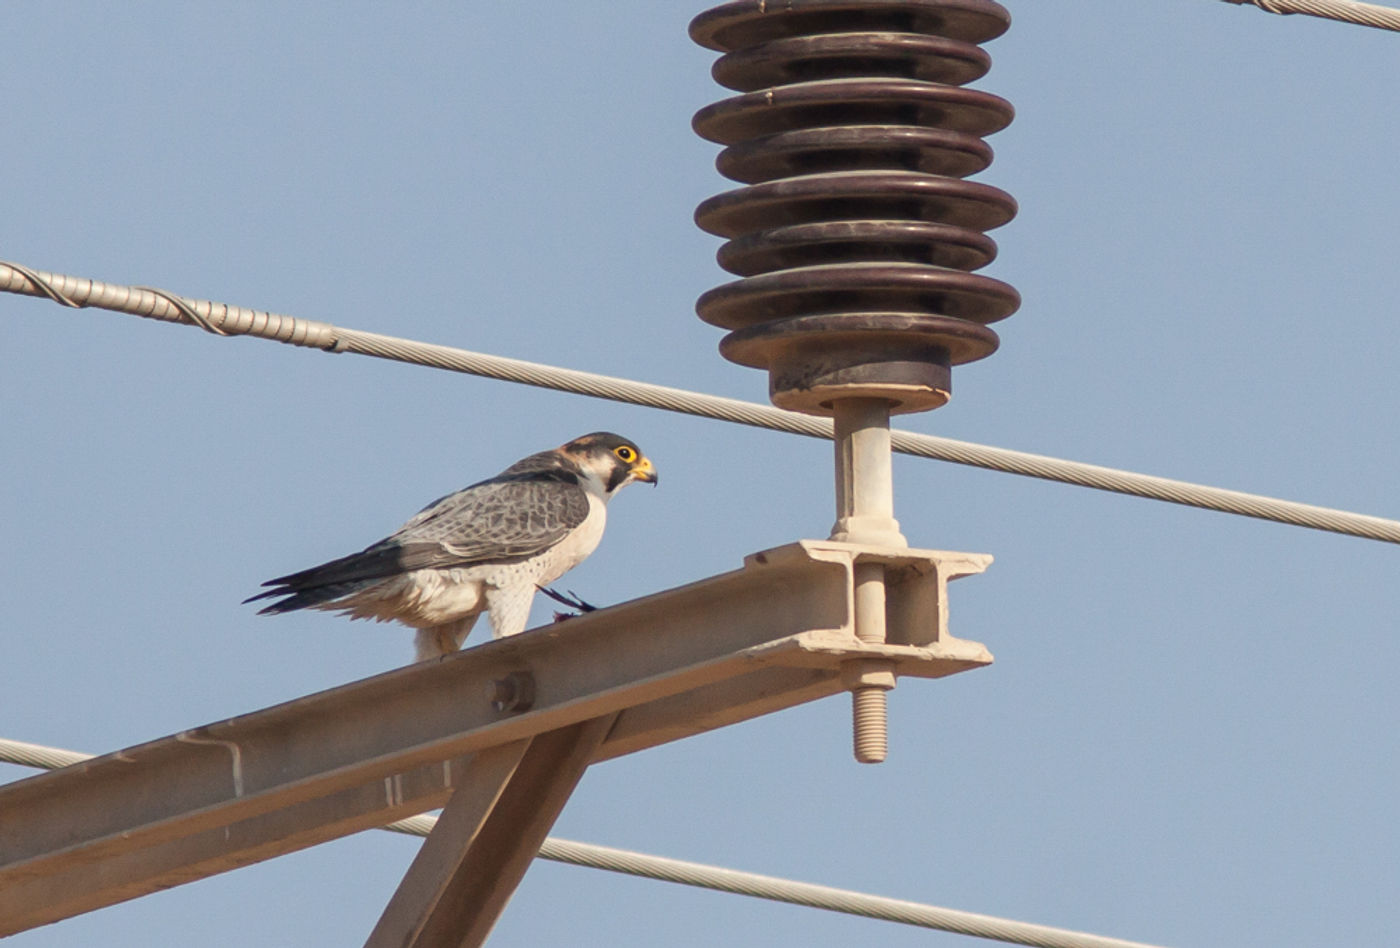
{"x":851,"y":55}
{"x":857,"y":288}
{"x":856,"y":195}
{"x":855,"y":148}
{"x":799,"y":245}
{"x":750,"y":22}
{"x":813,"y":360}
{"x":836,"y":102}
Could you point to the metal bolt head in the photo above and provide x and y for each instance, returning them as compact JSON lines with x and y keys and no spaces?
{"x":515,"y":692}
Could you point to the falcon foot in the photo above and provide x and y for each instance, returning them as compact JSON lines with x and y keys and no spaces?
{"x":571,"y":600}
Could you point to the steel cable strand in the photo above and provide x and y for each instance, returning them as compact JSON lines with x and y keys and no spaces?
{"x":823,"y":897}
{"x":906,"y":442}
{"x":37,"y":755}
{"x":312,"y":333}
{"x":218,"y":318}
{"x":583,"y":383}
{"x":1360,"y":14}
{"x":1148,"y":486}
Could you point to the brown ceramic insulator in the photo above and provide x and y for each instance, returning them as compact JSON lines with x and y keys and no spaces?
{"x":751,"y":22}
{"x":856,"y":55}
{"x":855,"y":234}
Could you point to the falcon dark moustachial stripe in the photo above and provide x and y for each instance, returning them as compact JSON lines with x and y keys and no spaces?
{"x":485,"y":548}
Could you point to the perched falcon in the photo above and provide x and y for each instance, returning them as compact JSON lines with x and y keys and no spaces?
{"x":485,"y":548}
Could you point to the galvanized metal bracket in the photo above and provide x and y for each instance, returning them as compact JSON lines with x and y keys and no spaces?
{"x":916,"y":597}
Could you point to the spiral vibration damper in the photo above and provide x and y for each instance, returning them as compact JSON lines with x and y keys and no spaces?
{"x":855,"y":234}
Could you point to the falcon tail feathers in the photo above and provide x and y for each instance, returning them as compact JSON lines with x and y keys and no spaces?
{"x":305,"y":598}
{"x":332,"y":580}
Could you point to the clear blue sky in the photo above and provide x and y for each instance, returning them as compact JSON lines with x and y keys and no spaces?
{"x":1189,"y":734}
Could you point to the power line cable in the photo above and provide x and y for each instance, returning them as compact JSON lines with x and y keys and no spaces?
{"x":823,"y":897}
{"x":1361,"y":14}
{"x":236,"y":320}
{"x":772,"y":888}
{"x":37,"y":755}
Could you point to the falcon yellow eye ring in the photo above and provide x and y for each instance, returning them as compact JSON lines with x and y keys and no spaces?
{"x":626,"y":453}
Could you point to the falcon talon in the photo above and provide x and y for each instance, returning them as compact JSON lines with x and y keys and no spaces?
{"x":572,"y":600}
{"x":485,"y":548}
{"x":583,"y":606}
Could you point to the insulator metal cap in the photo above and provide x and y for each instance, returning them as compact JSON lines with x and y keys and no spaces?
{"x":855,"y":235}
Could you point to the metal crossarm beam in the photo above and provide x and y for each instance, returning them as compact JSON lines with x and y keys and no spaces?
{"x":775,"y":633}
{"x":593,"y":856}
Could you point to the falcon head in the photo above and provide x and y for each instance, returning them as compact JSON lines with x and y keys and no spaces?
{"x":609,"y":460}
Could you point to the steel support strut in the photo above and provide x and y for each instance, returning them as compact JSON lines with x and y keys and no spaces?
{"x":485,"y":839}
{"x":865,"y":514}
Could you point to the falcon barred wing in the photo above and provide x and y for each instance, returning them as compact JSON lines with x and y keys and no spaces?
{"x":505,"y":518}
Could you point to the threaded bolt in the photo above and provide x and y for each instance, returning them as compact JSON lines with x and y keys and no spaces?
{"x":871,"y":736}
{"x":868,"y":680}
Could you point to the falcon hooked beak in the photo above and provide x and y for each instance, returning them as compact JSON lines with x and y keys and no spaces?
{"x":643,"y":471}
